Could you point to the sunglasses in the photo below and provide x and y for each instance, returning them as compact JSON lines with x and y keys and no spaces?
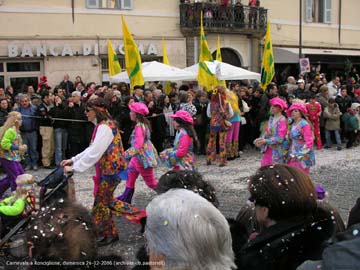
{"x":88,"y":110}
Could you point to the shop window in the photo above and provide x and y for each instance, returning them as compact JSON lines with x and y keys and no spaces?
{"x":110,"y":4}
{"x":21,"y":83}
{"x":318,"y":11}
{"x":23,"y":66}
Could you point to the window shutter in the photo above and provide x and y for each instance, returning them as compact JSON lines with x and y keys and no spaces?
{"x":327,"y":11}
{"x":308,"y":10}
{"x":92,"y":3}
{"x":126,"y":4}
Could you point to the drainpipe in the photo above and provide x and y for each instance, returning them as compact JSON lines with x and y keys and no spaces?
{"x":339,"y":30}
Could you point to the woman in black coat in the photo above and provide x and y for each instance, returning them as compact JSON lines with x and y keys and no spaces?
{"x":124,"y":122}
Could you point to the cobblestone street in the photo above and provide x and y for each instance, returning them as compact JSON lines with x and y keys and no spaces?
{"x":336,"y":171}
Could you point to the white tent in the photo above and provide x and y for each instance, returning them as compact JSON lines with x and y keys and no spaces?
{"x":226,"y":71}
{"x":156,"y":71}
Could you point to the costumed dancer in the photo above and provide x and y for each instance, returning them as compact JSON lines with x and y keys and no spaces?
{"x":181,"y":156}
{"x":275,"y":131}
{"x":142,"y":153}
{"x":219,"y":111}
{"x":232,"y":135}
{"x":11,"y":151}
{"x":300,"y":139}
{"x":314,"y":111}
{"x":106,"y":150}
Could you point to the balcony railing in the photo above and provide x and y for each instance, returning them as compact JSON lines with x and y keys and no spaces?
{"x":223,"y":19}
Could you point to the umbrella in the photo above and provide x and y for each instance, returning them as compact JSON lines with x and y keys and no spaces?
{"x":156,"y":71}
{"x":226,"y":71}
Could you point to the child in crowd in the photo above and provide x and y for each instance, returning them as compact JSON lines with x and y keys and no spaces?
{"x":314,"y":111}
{"x":11,"y":151}
{"x":274,"y":134}
{"x":181,"y":156}
{"x":25,"y":200}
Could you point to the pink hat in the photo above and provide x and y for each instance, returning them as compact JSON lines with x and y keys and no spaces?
{"x":183,"y":115}
{"x":139,"y":108}
{"x":297,"y":106}
{"x":278,"y":102}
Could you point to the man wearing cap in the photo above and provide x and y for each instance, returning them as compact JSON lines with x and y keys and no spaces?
{"x":76,"y":138}
{"x":138,"y":93}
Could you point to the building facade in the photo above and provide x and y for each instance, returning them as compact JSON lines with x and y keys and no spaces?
{"x":45,"y":38}
{"x":55,"y":37}
{"x":330,"y":34}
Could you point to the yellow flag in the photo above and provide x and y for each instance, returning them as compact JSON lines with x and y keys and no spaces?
{"x":165,"y":58}
{"x":132,"y":58}
{"x":166,"y":62}
{"x":267,"y":66}
{"x":218,"y":51}
{"x":113,"y":61}
{"x":219,"y":58}
{"x":205,"y":77}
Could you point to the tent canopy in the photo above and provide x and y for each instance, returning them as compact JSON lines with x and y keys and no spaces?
{"x":226,"y":71}
{"x":156,"y":71}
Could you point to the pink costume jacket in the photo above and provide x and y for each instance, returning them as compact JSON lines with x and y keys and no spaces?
{"x":181,"y":156}
{"x":142,"y":151}
{"x":274,"y":135}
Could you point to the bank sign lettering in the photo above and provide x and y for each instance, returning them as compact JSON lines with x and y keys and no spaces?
{"x":26,"y":50}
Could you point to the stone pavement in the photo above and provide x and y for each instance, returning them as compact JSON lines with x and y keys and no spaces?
{"x":337,"y":171}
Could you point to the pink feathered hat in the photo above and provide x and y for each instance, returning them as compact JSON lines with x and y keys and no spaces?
{"x":139,"y":108}
{"x":278,"y":102}
{"x":297,"y":106}
{"x":183,"y":115}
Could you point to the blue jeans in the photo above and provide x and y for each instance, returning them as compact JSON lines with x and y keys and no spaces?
{"x":328,"y":137}
{"x":32,"y":155}
{"x":61,"y":136}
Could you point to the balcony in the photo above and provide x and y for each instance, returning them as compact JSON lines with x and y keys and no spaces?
{"x":231,"y":19}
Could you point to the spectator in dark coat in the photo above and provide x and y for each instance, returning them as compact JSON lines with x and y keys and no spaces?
{"x":264,"y":105}
{"x":46,"y":128}
{"x":124,"y":122}
{"x":201,"y":119}
{"x":4,"y":110}
{"x":76,"y":138}
{"x":60,"y":129}
{"x":67,"y":85}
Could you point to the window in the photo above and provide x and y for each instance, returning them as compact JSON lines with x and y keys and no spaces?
{"x":110,"y":4}
{"x":23,"y":66}
{"x":318,"y":11}
{"x":20,"y":74}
